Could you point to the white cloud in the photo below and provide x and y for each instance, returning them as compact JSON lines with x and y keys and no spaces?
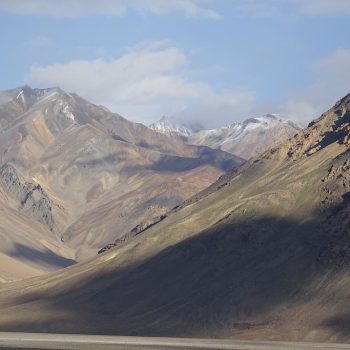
{"x":147,"y":81}
{"x":331,"y":77}
{"x":303,"y":7}
{"x":140,"y":75}
{"x":153,"y":78}
{"x":330,"y":81}
{"x":219,"y":108}
{"x":190,"y":8}
{"x":63,"y":8}
{"x":87,"y":8}
{"x":334,"y":69}
{"x":301,"y":108}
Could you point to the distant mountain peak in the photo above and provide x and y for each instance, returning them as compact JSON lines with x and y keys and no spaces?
{"x":38,"y":93}
{"x":269,"y":117}
{"x":245,"y":139}
{"x":171,"y":126}
{"x":26,"y":97}
{"x":250,"y":137}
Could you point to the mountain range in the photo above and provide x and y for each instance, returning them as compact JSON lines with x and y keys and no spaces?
{"x":246,"y":139}
{"x":262,"y":253}
{"x":84,"y":176}
{"x":81,"y":175}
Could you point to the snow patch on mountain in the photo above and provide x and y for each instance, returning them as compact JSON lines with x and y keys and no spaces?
{"x":265,"y":122}
{"x":68,"y":113}
{"x":170,"y":126}
{"x":248,"y":138}
{"x":20,"y":94}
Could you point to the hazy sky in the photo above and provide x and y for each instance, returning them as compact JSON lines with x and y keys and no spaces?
{"x":214,"y":61}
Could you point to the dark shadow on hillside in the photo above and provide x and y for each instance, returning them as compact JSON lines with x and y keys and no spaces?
{"x":336,"y":253}
{"x":175,"y":164}
{"x":339,"y":324}
{"x":337,"y":134}
{"x":206,"y":156}
{"x":224,"y":160}
{"x":109,"y":159}
{"x":230,"y":276}
{"x":48,"y":257}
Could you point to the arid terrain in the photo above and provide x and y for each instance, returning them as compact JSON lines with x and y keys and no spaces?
{"x":73,"y":176}
{"x":79,"y":176}
{"x":260,"y":254}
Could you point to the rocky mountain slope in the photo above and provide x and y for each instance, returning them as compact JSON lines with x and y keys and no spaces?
{"x":247,"y":139}
{"x":262,"y":253}
{"x":86,"y":174}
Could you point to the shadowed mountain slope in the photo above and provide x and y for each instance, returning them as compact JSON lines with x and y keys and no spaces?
{"x":262,"y":253}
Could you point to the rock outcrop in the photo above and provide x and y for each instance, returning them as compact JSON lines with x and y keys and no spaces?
{"x":29,"y":197}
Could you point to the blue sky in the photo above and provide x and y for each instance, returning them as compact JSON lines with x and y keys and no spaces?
{"x":213,"y":61}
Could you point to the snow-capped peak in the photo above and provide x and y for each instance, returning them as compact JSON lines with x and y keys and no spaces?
{"x":170,"y":126}
{"x":266,"y":121}
{"x":249,"y":137}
